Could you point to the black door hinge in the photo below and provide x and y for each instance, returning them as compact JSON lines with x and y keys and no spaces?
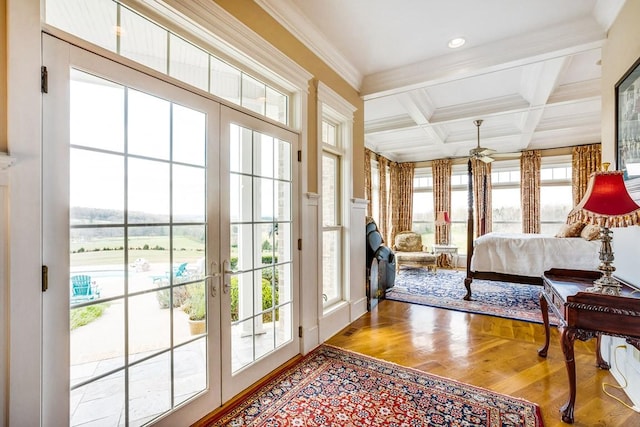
{"x":299,"y":244}
{"x":299,"y":155}
{"x":299,"y":331}
{"x":44,"y":80}
{"x":45,"y":278}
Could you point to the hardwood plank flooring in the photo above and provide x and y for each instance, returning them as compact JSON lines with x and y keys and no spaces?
{"x":489,"y":352}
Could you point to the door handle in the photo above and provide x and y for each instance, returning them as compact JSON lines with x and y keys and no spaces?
{"x":226,"y":286}
{"x":214,"y":273}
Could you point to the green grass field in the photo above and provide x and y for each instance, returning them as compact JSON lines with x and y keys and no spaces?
{"x":94,"y":253}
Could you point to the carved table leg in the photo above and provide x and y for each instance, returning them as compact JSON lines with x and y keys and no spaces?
{"x":600,"y":362}
{"x":544,"y":307}
{"x":568,"y":339}
{"x":467,"y":284}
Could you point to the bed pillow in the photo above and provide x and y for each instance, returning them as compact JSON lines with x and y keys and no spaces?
{"x":570,"y":230}
{"x":590,"y":232}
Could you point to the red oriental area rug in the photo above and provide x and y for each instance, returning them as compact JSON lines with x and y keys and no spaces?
{"x":335,"y":387}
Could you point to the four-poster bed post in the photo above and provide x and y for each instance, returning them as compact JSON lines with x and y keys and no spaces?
{"x":469,"y":278}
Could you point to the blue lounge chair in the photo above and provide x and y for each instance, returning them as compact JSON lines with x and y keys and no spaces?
{"x":179,"y":275}
{"x":83,"y":289}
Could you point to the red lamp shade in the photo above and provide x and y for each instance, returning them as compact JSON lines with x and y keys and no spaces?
{"x":442,"y":218}
{"x":606,"y":202}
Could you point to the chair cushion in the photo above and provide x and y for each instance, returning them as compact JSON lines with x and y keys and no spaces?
{"x":416,"y":257}
{"x":408,"y":241}
{"x":374,"y":240}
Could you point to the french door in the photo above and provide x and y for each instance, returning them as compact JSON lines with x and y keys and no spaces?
{"x":168,"y":240}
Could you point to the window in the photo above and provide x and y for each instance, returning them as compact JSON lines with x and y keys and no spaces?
{"x":331,"y":226}
{"x":505,"y":197}
{"x":120,"y":29}
{"x":459,"y":207}
{"x":335,"y":121}
{"x":556,"y":199}
{"x":375,"y":191}
{"x":423,"y":213}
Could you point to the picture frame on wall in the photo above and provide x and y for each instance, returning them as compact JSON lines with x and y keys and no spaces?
{"x":627,"y":96}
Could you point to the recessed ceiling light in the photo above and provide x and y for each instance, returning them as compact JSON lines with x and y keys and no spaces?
{"x":457,"y":42}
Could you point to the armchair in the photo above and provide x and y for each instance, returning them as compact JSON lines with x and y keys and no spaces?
{"x":409,"y":251}
{"x":383,"y":257}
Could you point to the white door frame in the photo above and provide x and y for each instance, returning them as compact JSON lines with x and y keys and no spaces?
{"x":59,"y":56}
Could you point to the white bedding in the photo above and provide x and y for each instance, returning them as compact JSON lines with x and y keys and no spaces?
{"x":532,"y":254}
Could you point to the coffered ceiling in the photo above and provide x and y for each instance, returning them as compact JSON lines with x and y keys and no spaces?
{"x":529,"y":69}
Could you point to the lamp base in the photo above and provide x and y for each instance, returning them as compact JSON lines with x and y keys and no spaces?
{"x":606,"y":284}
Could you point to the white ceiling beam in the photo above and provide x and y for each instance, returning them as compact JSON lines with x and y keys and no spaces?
{"x":537,"y":83}
{"x":580,"y":36}
{"x":418,"y":105}
{"x":480,"y":109}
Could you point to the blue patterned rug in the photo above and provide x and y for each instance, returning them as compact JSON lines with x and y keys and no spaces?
{"x":445,"y":289}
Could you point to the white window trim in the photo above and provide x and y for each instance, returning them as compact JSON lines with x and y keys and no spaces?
{"x":337,"y":110}
{"x":23,"y":179}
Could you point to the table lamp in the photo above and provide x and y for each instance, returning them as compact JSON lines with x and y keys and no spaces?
{"x":442,"y":218}
{"x":608,"y":204}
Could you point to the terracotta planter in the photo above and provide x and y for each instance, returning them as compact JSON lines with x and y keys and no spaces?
{"x":197,"y":327}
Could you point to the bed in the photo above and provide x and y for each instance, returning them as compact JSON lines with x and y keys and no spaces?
{"x":523,"y":258}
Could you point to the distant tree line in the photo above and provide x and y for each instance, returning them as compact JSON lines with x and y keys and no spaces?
{"x":102,"y":217}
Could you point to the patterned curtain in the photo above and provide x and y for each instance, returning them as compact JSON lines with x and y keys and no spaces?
{"x":482,"y":196}
{"x":585,"y":160}
{"x":367,"y":181}
{"x":401,"y":205}
{"x":442,"y":196}
{"x":530,"y":190}
{"x":382,"y":174}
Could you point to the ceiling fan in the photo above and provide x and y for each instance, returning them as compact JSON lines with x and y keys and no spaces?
{"x":481,"y":153}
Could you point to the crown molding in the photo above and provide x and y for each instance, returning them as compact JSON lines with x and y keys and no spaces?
{"x":393,"y":124}
{"x":579,"y":36}
{"x":606,"y":11}
{"x":330,"y":97}
{"x":293,"y":20}
{"x":585,"y":90}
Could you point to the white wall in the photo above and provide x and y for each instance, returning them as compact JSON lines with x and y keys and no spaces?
{"x":24,"y":303}
{"x":619,"y":52}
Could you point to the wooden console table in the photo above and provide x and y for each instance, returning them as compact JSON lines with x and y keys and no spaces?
{"x":585,"y":315}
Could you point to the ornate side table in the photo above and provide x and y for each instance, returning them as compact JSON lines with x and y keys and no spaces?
{"x":585,"y":315}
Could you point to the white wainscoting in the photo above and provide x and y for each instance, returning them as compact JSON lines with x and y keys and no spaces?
{"x":625,"y":365}
{"x":355,"y":304}
{"x":310,"y":289}
{"x":625,"y":362}
{"x":4,"y":286}
{"x":357,"y":269}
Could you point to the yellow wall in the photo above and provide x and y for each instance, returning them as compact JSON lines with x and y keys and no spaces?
{"x":3,"y":76}
{"x":263,"y":24}
{"x":620,"y":51}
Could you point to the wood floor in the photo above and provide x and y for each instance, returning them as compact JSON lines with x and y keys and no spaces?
{"x":489,"y":352}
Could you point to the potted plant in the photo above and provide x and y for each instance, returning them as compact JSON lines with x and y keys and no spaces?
{"x":196,"y":307}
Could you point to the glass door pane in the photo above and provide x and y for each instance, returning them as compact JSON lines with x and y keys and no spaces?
{"x":262,"y":310}
{"x":131,"y":232}
{"x":137,"y":262}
